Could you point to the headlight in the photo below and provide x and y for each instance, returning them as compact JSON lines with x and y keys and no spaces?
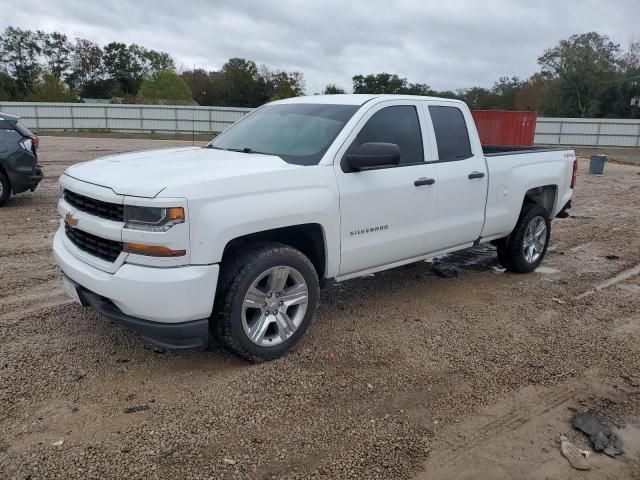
{"x":152,"y":219}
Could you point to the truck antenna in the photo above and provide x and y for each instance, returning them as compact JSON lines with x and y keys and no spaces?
{"x":193,"y":111}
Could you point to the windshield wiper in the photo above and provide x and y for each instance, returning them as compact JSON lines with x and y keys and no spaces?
{"x":241,"y":150}
{"x":246,"y":150}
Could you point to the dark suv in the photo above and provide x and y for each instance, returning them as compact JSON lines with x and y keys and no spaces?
{"x":19,"y":169}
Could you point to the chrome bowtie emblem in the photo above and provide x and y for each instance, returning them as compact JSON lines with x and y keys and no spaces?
{"x":70,"y":220}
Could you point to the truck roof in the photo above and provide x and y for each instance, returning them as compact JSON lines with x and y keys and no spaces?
{"x":356,"y":99}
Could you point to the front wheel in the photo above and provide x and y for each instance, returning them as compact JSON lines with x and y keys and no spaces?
{"x":524,"y":249}
{"x":268,"y":300}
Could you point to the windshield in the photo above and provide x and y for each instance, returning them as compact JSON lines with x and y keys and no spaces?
{"x":299,"y":133}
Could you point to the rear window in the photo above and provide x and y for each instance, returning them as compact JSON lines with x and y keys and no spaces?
{"x":451,"y":131}
{"x":24,"y":131}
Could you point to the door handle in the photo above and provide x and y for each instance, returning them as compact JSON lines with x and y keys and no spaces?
{"x":473,"y":175}
{"x":424,"y":181}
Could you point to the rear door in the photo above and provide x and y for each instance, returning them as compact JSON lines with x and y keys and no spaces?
{"x":386,"y":214}
{"x":462,"y":176}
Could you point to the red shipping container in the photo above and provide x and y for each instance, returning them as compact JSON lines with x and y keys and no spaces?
{"x":505,"y":127}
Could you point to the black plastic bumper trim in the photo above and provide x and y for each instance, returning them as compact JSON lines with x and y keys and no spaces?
{"x":192,"y":335}
{"x":563,"y":213}
{"x":21,"y":182}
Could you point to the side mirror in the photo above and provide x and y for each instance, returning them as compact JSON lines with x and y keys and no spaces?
{"x":372,"y":155}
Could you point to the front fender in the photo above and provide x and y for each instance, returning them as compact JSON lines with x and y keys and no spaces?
{"x":216,"y":222}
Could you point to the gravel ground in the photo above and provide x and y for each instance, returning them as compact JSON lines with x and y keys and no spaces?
{"x":403,"y":375}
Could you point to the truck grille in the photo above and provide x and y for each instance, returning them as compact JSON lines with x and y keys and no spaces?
{"x":110,"y":211}
{"x":99,"y":247}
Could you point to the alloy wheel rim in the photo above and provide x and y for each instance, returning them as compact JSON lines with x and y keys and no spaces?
{"x":535,"y":239}
{"x":274,"y":306}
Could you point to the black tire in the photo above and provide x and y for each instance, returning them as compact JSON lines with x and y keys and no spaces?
{"x":238,"y":274}
{"x":5,"y":191}
{"x":511,"y":249}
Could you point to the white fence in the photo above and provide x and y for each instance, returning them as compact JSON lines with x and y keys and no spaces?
{"x":123,"y":118}
{"x":590,"y":132}
{"x":179,"y":119}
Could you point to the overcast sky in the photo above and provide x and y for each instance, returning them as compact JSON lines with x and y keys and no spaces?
{"x":446,"y":44}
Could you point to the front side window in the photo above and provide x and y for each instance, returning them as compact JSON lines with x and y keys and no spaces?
{"x":397,"y":124}
{"x":298,"y":133}
{"x":451,"y":132}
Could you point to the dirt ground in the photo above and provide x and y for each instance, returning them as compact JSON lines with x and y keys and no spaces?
{"x":403,"y":375}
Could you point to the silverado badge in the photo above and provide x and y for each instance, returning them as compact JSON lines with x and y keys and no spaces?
{"x":70,"y":220}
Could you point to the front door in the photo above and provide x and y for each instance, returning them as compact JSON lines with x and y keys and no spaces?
{"x":386,"y":213}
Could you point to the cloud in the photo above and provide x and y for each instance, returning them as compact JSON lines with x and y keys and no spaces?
{"x":447,"y":44}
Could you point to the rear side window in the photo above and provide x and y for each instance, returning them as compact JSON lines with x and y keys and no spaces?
{"x":4,"y":125}
{"x":397,"y":124}
{"x":451,"y":131}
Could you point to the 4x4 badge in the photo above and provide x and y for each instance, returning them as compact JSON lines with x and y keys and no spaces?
{"x":70,"y":220}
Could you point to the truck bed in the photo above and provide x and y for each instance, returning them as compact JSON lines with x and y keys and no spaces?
{"x":496,"y":150}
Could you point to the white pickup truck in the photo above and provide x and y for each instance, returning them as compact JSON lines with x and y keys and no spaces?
{"x":235,"y":238}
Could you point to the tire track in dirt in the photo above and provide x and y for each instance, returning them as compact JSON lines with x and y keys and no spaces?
{"x":32,"y":300}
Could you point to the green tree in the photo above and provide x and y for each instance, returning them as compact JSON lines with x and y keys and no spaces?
{"x":200,"y":84}
{"x":56,"y":49}
{"x":388,"y":83}
{"x":580,"y":68}
{"x":446,"y":94}
{"x":101,"y":88}
{"x":505,"y":91}
{"x":8,"y":87}
{"x":532,"y":94}
{"x":158,"y":62}
{"x":167,"y":86}
{"x":379,"y":83}
{"x":125,"y":64}
{"x":240,"y":78}
{"x":51,"y":89}
{"x":86,"y":66}
{"x":287,"y":85}
{"x":20,"y":53}
{"x":629,"y":61}
{"x":332,"y":89}
{"x":478,"y":98}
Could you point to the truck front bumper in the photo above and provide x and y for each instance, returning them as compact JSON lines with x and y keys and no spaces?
{"x":169,"y":307}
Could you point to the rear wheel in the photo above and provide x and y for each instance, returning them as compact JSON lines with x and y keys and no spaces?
{"x":268,"y":300}
{"x":5,"y":189}
{"x":525,"y":248}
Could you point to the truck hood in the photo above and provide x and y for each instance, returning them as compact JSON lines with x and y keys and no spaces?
{"x":147,"y":173}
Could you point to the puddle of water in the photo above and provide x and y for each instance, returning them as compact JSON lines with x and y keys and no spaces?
{"x":547,"y":270}
{"x":477,"y":259}
{"x":482,"y":258}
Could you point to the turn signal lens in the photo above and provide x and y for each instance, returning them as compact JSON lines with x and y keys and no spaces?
{"x":175,"y":213}
{"x":152,"y":250}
